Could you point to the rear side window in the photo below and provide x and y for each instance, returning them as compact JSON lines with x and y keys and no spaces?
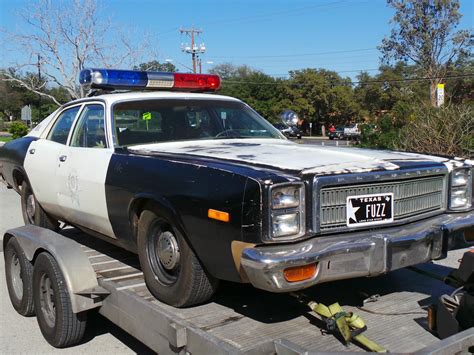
{"x":62,"y":126}
{"x":90,"y":129}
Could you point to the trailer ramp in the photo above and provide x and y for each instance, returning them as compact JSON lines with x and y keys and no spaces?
{"x":241,"y":319}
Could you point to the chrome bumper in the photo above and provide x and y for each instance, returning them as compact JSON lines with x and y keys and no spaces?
{"x":356,"y":254}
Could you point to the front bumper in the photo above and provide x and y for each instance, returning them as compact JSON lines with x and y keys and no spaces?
{"x":356,"y":254}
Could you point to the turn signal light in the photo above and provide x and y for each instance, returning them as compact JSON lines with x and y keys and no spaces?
{"x":300,"y":273}
{"x":218,"y":215}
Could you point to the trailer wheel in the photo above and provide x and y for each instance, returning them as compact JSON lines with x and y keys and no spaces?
{"x":32,"y":212}
{"x":19,"y":276}
{"x":58,"y":324}
{"x":172,"y":271}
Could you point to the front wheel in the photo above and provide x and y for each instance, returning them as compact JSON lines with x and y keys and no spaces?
{"x":172,"y":271}
{"x":32,"y":212}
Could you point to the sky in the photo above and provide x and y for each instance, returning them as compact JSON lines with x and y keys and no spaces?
{"x":273,"y":36}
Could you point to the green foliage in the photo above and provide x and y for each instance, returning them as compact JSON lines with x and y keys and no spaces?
{"x":380,"y":134}
{"x":18,"y":129}
{"x":155,"y":65}
{"x":425,"y":33}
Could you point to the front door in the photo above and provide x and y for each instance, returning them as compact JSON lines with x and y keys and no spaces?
{"x":82,"y":173}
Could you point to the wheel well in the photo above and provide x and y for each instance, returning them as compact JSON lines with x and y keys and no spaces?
{"x":136,"y":209}
{"x":18,"y":179}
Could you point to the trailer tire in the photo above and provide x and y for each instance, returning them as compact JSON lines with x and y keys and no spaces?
{"x":19,"y":277}
{"x":32,"y":212}
{"x":60,"y":326}
{"x":181,"y":282}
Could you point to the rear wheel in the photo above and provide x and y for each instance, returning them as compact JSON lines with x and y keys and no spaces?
{"x":58,"y":324}
{"x":32,"y":211}
{"x":19,"y":276}
{"x":172,"y":271}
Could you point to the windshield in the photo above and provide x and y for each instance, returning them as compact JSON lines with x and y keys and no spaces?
{"x":165,"y":120}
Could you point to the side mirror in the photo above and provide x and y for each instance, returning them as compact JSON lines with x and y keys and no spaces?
{"x":289,"y":118}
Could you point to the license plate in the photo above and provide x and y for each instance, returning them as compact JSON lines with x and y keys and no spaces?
{"x":368,"y":210}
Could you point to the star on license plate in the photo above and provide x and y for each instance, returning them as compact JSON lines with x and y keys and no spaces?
{"x":368,"y":210}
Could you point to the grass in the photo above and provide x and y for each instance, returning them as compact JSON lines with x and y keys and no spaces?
{"x":5,"y":139}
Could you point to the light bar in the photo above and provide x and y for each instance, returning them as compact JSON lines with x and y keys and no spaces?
{"x":111,"y":79}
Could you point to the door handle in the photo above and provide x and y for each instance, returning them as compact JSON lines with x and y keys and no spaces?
{"x":63,"y":158}
{"x":32,"y":151}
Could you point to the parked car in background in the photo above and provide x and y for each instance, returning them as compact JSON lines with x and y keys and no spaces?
{"x":288,"y":131}
{"x":337,"y":134}
{"x":352,"y":131}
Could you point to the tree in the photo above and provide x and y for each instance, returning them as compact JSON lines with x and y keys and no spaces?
{"x":424,"y":33}
{"x":155,"y":65}
{"x":64,"y":38}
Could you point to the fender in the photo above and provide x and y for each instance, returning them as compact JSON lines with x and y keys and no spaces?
{"x":165,"y":207}
{"x":78,"y":273}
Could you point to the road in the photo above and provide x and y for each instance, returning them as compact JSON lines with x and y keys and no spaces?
{"x":21,"y":335}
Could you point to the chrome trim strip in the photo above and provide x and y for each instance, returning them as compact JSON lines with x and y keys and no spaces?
{"x":374,"y":177}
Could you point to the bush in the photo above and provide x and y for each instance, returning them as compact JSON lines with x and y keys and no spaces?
{"x":380,"y":134}
{"x":18,"y":129}
{"x":2,"y":125}
{"x":447,"y":130}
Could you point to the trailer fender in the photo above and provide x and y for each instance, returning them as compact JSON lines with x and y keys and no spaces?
{"x":81,"y":281}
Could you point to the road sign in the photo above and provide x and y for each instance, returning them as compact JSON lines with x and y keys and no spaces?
{"x":26,"y":113}
{"x":440,"y":95}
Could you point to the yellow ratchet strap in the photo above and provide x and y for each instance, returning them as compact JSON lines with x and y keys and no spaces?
{"x":348,"y":324}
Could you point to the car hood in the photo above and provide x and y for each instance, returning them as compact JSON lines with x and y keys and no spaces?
{"x":286,"y":155}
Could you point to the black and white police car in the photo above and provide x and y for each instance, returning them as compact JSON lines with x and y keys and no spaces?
{"x":203,"y":189}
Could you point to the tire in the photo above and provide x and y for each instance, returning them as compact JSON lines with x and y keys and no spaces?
{"x":32,"y":211}
{"x":176,"y":278}
{"x":58,"y":324}
{"x":19,"y":277}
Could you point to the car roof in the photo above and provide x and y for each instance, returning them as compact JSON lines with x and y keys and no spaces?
{"x":147,"y":95}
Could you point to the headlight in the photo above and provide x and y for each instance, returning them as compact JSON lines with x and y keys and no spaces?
{"x":461,"y":189}
{"x":286,"y":197}
{"x":287,"y":211}
{"x":285,"y":224}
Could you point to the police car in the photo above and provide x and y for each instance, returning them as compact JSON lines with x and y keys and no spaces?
{"x":203,"y":189}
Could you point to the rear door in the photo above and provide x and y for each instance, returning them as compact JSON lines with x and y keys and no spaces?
{"x":43,"y":160}
{"x":82,"y":173}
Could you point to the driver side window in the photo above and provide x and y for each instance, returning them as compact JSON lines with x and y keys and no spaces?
{"x":90,"y":129}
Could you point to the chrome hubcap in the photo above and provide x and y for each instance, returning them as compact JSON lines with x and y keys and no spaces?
{"x":48,"y":306}
{"x":17,"y":281}
{"x":30,"y":206}
{"x":168,"y":250}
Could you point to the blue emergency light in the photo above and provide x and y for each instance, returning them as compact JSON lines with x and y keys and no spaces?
{"x":113,"y":79}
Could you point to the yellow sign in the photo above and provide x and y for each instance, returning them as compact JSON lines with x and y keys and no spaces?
{"x":440,"y":86}
{"x":146,"y":116}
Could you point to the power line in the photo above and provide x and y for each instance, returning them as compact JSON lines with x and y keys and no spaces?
{"x":351,"y":82}
{"x":299,"y":54}
{"x":270,"y":15}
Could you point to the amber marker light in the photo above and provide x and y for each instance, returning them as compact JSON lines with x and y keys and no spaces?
{"x":218,"y":215}
{"x":300,"y":273}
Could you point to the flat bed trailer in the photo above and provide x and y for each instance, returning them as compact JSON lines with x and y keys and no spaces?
{"x":241,"y":319}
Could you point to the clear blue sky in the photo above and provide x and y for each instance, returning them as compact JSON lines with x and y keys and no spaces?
{"x":273,"y":36}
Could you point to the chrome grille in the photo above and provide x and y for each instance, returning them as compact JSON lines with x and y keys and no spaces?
{"x":413,"y":197}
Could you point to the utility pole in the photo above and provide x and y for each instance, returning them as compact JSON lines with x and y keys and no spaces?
{"x":194,"y":49}
{"x":39,"y":83}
